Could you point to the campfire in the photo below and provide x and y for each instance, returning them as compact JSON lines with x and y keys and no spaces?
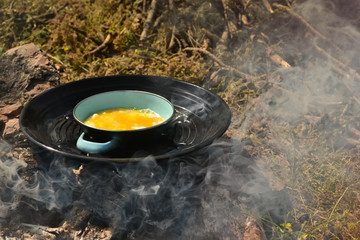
{"x":266,"y":147}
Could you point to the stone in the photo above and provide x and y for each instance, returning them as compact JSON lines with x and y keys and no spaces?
{"x":252,"y":231}
{"x":11,"y":110}
{"x":21,"y":70}
{"x":11,"y":128}
{"x":25,"y":72}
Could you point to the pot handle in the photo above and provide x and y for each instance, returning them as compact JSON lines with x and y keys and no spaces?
{"x":95,"y":147}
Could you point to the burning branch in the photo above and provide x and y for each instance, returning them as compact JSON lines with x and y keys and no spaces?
{"x":216,"y":59}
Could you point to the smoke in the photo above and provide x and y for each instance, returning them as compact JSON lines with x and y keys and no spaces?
{"x":9,"y":179}
{"x":322,"y":47}
{"x":25,"y":196}
{"x":306,"y":122}
{"x":209,"y":193}
{"x":198,"y":195}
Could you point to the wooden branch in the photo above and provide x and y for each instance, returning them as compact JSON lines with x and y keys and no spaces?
{"x":11,"y":8}
{"x":339,"y":70}
{"x":56,"y":59}
{"x":48,"y":14}
{"x":172,"y":38}
{"x":230,"y":18}
{"x":106,"y":42}
{"x":149,"y":20}
{"x":268,"y":6}
{"x":179,"y":43}
{"x":340,"y":63}
{"x":156,"y":58}
{"x":173,"y":28}
{"x":216,"y":59}
{"x":171,"y":5}
{"x":84,"y":34}
{"x":279,"y":60}
{"x":210,"y":35}
{"x":12,"y":18}
{"x":323,"y":37}
{"x":308,"y":25}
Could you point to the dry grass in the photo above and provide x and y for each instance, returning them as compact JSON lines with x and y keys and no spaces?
{"x":314,"y":155}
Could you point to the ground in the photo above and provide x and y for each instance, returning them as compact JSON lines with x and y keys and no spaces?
{"x":288,"y":70}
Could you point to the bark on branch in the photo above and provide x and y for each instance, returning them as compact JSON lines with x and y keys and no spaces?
{"x":149,"y":20}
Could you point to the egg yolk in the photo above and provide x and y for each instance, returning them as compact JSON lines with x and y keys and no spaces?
{"x":124,"y":119}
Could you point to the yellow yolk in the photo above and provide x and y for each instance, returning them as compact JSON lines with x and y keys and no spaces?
{"x":124,"y":119}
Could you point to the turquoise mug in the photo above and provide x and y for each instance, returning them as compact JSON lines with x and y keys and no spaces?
{"x":102,"y":140}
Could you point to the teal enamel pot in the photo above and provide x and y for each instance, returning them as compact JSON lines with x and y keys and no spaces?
{"x":95,"y":140}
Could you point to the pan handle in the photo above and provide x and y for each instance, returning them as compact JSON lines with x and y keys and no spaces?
{"x":95,"y":147}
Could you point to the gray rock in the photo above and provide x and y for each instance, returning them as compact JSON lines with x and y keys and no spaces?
{"x":25,"y":72}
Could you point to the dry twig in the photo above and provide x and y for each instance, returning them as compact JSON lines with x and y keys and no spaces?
{"x":268,"y":6}
{"x":340,"y":63}
{"x":289,"y":10}
{"x":149,"y":20}
{"x":156,"y":58}
{"x":11,"y":8}
{"x":280,"y":61}
{"x":230,"y":17}
{"x":339,"y":70}
{"x":173,"y":30}
{"x":84,"y":34}
{"x":172,"y":38}
{"x":317,"y":33}
{"x":216,"y":59}
{"x":12,"y":17}
{"x":213,"y":37}
{"x":307,"y":24}
{"x":103,"y":45}
{"x":48,"y":15}
{"x":323,"y":52}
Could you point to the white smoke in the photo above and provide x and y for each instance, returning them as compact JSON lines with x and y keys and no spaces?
{"x":50,"y":190}
{"x":202,"y":194}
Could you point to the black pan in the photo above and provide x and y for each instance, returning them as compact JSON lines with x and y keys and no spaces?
{"x":200,"y":117}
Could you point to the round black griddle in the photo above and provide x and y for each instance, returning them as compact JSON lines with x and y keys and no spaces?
{"x":200,"y":117}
